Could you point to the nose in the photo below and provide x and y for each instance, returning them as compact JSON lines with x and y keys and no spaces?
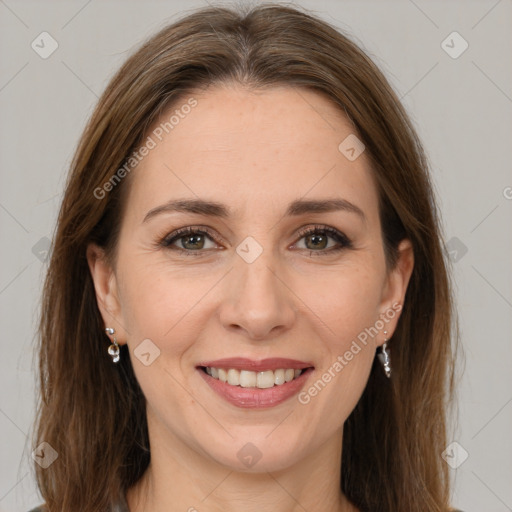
{"x":257,"y":299}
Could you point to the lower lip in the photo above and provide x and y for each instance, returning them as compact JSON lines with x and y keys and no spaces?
{"x":255,"y":398}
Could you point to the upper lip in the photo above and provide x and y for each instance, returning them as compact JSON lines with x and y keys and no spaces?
{"x":242,"y":363}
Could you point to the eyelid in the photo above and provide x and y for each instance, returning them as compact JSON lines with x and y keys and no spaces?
{"x":180,"y":232}
{"x":307,"y":230}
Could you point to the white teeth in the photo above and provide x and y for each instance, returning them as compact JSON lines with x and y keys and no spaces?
{"x":265,"y":379}
{"x":250,"y":379}
{"x":247,"y":379}
{"x":279,"y":377}
{"x":233,"y":377}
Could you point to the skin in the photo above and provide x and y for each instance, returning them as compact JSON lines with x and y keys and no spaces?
{"x":254,"y":151}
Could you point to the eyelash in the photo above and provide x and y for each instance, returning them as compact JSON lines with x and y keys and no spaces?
{"x":343,"y":240}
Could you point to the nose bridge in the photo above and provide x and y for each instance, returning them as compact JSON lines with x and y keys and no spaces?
{"x":258,"y":275}
{"x":255,"y":281}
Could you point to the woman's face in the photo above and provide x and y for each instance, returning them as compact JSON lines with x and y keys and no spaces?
{"x":257,"y":286}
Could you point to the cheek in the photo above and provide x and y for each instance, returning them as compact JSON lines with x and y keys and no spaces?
{"x":349,"y":312}
{"x":164,"y":307}
{"x":164,"y":303}
{"x":347,"y":303}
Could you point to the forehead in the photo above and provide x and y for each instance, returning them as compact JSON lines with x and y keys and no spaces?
{"x":251,"y":149}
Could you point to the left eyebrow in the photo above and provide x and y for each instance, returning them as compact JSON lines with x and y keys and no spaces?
{"x":302,"y":206}
{"x":295,"y":208}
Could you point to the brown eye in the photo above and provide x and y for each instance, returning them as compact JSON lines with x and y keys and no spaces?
{"x":317,"y":240}
{"x":192,"y":241}
{"x":189,"y":240}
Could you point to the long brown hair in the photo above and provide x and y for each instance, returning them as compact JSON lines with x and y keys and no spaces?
{"x":93,"y":412}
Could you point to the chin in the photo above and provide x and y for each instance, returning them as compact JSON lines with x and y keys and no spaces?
{"x":257,"y":453}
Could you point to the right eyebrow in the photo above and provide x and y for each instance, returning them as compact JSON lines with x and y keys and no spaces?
{"x":198,"y":206}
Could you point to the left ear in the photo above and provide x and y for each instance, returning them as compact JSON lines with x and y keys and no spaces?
{"x":393,"y":294}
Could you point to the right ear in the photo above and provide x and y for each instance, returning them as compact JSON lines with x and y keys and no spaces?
{"x":105,"y":286}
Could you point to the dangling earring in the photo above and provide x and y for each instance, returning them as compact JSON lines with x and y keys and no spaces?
{"x":384,"y":357}
{"x":113,"y":349}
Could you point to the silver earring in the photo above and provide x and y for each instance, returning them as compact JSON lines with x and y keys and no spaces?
{"x":113,"y":349}
{"x":384,"y":357}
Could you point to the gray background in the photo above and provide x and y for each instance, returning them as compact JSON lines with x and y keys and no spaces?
{"x":461,"y":107}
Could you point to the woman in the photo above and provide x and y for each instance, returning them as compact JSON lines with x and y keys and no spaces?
{"x":247,"y":305}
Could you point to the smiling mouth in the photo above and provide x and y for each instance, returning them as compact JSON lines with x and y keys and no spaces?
{"x":254,"y":379}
